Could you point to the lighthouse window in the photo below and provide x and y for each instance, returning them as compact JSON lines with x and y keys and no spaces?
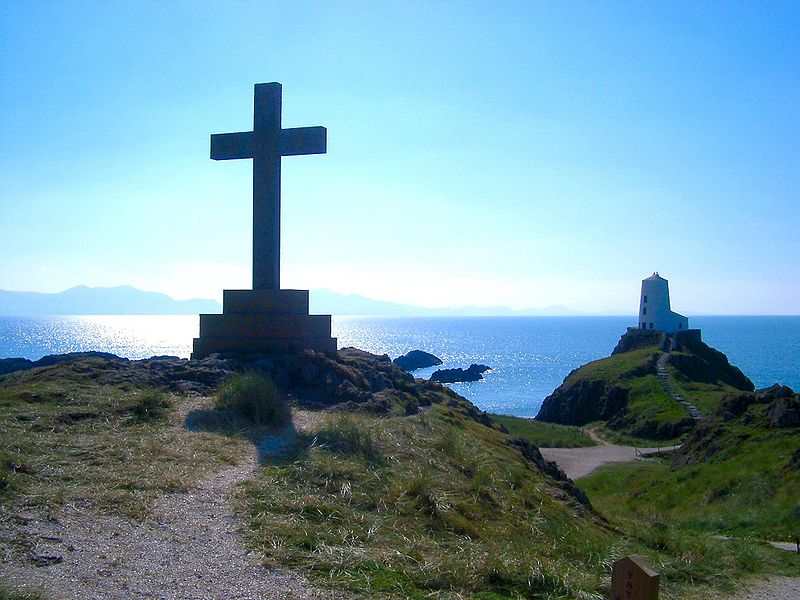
{"x":644,"y":310}
{"x":645,"y":298}
{"x":651,"y":325}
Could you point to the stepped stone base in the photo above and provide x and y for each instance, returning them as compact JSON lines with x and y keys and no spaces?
{"x":263,"y":321}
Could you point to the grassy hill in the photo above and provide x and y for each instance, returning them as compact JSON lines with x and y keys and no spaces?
{"x":398,"y":488}
{"x":624,"y":393}
{"x":737,"y":474}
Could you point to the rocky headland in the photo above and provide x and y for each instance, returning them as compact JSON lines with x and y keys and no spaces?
{"x":652,"y":386}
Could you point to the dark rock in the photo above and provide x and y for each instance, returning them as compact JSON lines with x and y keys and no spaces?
{"x":472,"y":373}
{"x":9,"y":365}
{"x":784,"y":411}
{"x":637,"y":338}
{"x":735,"y":405}
{"x":782,"y":406}
{"x":532,"y":454}
{"x":584,"y":401}
{"x":417,"y":359}
{"x":45,"y":560}
{"x":699,"y":362}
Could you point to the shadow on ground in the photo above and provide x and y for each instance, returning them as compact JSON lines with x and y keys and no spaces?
{"x":276,"y":444}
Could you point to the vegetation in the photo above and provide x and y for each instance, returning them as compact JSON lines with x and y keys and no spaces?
{"x":66,"y":438}
{"x":616,"y":437}
{"x":253,"y":398}
{"x":546,"y":435}
{"x":405,"y":491}
{"x":623,"y":392}
{"x":739,"y":481}
{"x":438,"y":505}
{"x":8,"y":592}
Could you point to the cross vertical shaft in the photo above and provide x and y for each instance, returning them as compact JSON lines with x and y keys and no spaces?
{"x":267,"y":187}
{"x":266,"y":144}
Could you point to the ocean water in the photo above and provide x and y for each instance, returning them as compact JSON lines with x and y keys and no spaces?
{"x":530,"y":356}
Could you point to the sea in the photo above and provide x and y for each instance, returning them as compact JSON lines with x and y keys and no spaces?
{"x":529,"y":356}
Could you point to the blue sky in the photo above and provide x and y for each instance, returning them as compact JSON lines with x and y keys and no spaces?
{"x":485,"y":153}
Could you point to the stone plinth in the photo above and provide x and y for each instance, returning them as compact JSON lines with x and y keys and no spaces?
{"x":263,"y":321}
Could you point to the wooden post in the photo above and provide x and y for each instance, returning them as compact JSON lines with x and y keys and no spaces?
{"x":632,"y":578}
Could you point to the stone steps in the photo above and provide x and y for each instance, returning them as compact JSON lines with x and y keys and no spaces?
{"x":663,"y":377}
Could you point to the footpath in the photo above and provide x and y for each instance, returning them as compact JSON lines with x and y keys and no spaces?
{"x":663,"y":377}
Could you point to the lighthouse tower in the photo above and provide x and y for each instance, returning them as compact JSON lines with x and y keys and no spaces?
{"x":654,"y":309}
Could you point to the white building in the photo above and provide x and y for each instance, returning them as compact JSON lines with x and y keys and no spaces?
{"x":654,"y":310}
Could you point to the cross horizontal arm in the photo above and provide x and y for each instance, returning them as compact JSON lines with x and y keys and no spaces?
{"x":304,"y":140}
{"x":229,"y":146}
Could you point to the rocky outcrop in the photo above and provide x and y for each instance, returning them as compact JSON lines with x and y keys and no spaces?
{"x":637,"y":338}
{"x":472,"y":373}
{"x":699,"y":362}
{"x":417,"y":359}
{"x":9,"y":365}
{"x":776,"y":407}
{"x":172,"y":374}
{"x":782,"y":406}
{"x":583,"y":401}
{"x":534,"y":455}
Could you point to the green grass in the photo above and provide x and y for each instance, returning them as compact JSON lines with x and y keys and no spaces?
{"x":616,"y":437}
{"x":744,"y":489}
{"x":705,"y":396}
{"x":253,"y":398}
{"x":9,"y":592}
{"x":64,"y":438}
{"x":547,"y":435}
{"x":436,"y":505}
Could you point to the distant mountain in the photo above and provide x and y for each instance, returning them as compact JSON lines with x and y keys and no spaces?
{"x":325,"y":301}
{"x":82,"y":300}
{"x":127,"y":300}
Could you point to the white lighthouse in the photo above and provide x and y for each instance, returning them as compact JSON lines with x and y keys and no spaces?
{"x":654,"y":309}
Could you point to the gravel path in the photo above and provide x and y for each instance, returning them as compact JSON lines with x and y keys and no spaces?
{"x":776,"y":588}
{"x":579,"y":462}
{"x":189,"y":548}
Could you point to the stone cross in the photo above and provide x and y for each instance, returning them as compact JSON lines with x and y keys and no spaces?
{"x":266,"y":144}
{"x":633,"y":579}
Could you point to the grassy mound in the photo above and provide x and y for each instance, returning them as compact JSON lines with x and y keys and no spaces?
{"x":735,"y":475}
{"x":623,"y":391}
{"x":67,"y":437}
{"x":254,"y":398}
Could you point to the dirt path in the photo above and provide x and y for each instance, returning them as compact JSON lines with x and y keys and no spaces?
{"x":580,"y":462}
{"x":776,"y":588}
{"x":189,"y":548}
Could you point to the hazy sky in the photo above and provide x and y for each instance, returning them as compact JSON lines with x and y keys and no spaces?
{"x":485,"y":153}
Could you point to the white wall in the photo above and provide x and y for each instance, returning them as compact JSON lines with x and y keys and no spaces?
{"x":654,"y":308}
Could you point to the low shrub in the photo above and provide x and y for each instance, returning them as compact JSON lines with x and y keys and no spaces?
{"x":349,"y":434}
{"x":149,"y":405}
{"x":254,"y":398}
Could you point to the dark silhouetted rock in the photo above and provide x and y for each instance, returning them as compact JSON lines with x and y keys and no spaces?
{"x":9,"y":365}
{"x":472,"y":373}
{"x":784,"y":409}
{"x":417,"y":359}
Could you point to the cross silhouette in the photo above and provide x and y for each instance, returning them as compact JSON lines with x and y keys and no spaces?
{"x":266,"y":144}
